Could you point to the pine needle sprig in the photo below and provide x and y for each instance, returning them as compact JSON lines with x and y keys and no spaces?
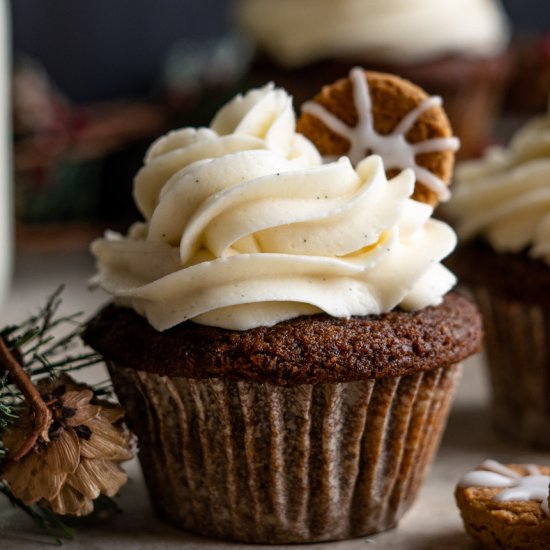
{"x":43,"y":354}
{"x":10,"y":402}
{"x":39,"y":351}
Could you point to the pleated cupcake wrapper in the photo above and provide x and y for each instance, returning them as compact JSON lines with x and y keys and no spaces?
{"x":261,"y":463}
{"x":517,"y":341}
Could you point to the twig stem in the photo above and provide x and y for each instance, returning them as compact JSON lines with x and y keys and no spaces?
{"x":40,"y":412}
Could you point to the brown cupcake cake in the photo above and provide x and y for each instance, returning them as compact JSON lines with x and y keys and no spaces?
{"x":502,"y":212}
{"x":505,"y":507}
{"x":309,"y":422}
{"x":282,"y":336}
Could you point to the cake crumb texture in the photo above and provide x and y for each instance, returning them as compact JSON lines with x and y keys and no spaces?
{"x":311,"y":349}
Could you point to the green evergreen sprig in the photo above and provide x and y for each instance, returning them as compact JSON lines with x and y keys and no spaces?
{"x":42,"y":354}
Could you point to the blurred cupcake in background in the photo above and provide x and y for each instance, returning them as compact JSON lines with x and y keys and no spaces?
{"x":502,"y":209}
{"x":530,"y":82}
{"x":457,"y":49}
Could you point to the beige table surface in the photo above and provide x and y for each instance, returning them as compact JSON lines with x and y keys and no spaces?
{"x":433,"y":522}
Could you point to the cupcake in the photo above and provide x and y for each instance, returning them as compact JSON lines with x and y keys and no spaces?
{"x":282,"y":333}
{"x":502,"y":212}
{"x":457,"y":49}
{"x":505,"y":507}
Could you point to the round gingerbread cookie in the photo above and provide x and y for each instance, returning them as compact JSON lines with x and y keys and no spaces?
{"x":377,"y":113}
{"x":506,"y":507}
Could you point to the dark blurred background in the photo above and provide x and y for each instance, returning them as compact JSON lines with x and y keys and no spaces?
{"x":529,"y":14}
{"x":97,"y":49}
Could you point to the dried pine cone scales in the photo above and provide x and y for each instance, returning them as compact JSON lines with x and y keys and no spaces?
{"x":77,"y":458}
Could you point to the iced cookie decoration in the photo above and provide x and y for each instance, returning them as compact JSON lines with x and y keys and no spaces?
{"x":376,"y":113}
{"x":506,"y":506}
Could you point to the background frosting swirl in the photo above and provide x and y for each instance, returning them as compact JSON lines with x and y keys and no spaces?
{"x":505,"y":196}
{"x":245,"y":227}
{"x":297,"y":32}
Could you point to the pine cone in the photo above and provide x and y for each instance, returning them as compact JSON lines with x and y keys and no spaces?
{"x":77,"y":459}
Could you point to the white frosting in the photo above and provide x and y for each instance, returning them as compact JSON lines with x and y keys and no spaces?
{"x":396,"y":151}
{"x":534,"y":486}
{"x":297,"y":32}
{"x":505,"y":196}
{"x":262,"y":119}
{"x":245,"y":227}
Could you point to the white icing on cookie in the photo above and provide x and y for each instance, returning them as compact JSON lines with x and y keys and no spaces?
{"x":533,"y":486}
{"x":533,"y":469}
{"x":394,"y":149}
{"x":494,"y":466}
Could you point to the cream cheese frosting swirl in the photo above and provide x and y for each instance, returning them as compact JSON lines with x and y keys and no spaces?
{"x":505,"y":196}
{"x":245,"y":227}
{"x":297,"y":32}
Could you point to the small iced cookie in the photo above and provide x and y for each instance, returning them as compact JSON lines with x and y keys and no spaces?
{"x":376,"y":113}
{"x":506,"y":506}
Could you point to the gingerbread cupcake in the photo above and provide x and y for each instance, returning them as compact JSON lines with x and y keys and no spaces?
{"x":502,"y":211}
{"x":505,"y":507}
{"x":282,"y":335}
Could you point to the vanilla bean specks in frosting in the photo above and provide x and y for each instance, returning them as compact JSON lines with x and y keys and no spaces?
{"x":245,"y":226}
{"x":505,"y":196}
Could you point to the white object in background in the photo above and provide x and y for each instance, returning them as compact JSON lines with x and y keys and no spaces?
{"x":6,"y":210}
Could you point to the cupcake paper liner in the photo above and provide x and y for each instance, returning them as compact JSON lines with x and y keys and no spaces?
{"x":517,"y":340}
{"x":261,"y":463}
